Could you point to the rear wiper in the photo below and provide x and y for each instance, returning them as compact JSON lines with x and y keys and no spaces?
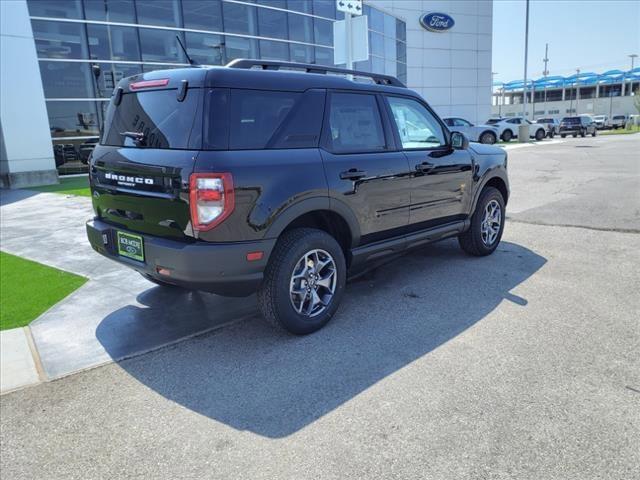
{"x":137,"y":137}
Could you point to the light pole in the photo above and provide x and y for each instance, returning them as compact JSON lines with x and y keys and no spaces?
{"x":633,"y":56}
{"x":577,"y":90}
{"x":545,"y":73}
{"x":523,"y":131}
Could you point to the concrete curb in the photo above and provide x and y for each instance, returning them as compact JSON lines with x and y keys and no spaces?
{"x":18,"y":360}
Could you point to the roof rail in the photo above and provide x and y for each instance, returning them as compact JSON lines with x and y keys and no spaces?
{"x":378,"y":78}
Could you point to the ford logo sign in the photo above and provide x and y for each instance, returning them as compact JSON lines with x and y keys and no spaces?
{"x":437,"y":22}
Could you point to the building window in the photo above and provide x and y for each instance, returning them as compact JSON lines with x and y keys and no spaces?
{"x":237,"y":47}
{"x":323,"y":31}
{"x":160,"y":46}
{"x":272,"y":23}
{"x":110,"y":10}
{"x":107,"y":42}
{"x":73,"y":119}
{"x":55,"y":8}
{"x":59,"y":39}
{"x":300,"y":28}
{"x":67,"y":79}
{"x":158,"y":12}
{"x":239,"y":18}
{"x":301,"y":53}
{"x":204,"y":48}
{"x":274,"y":50}
{"x":202,"y":14}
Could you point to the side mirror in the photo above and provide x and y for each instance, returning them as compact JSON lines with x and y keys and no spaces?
{"x":459,"y":141}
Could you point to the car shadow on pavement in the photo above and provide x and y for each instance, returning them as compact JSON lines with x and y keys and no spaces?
{"x":253,"y":378}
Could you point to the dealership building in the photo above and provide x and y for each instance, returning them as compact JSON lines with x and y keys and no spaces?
{"x":60,"y":59}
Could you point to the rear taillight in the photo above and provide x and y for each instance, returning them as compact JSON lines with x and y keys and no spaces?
{"x":211,"y":198}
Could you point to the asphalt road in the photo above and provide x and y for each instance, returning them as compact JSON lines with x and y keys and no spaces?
{"x":524,"y":364}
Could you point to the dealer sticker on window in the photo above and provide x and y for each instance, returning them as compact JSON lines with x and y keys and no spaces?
{"x":131,"y":246}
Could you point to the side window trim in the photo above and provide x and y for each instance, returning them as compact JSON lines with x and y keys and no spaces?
{"x":445,"y":130}
{"x":327,"y":144}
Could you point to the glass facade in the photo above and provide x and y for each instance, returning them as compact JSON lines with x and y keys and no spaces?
{"x":86,"y":46}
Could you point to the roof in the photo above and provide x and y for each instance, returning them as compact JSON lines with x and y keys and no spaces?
{"x":584,"y":78}
{"x":260,"y":79}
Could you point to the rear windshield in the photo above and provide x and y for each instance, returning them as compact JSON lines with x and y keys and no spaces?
{"x":165,"y":122}
{"x":493,"y":121}
{"x":619,"y":117}
{"x":571,"y":120}
{"x":545,"y":120}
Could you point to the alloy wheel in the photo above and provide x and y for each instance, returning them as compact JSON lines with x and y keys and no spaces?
{"x":313,"y":283}
{"x":491,"y":222}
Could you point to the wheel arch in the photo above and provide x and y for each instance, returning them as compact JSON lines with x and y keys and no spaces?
{"x":333,"y":217}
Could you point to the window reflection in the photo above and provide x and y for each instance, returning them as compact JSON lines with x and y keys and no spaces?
{"x":206,"y":49}
{"x":66,"y":80}
{"x":158,"y":12}
{"x":202,"y":14}
{"x":59,"y":39}
{"x":110,"y":10}
{"x":160,"y":46}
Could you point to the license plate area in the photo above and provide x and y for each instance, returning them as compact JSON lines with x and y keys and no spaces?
{"x":130,"y":246}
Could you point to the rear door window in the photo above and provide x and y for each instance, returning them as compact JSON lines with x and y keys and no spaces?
{"x":255,"y":116}
{"x":165,"y":122}
{"x":355,"y":124}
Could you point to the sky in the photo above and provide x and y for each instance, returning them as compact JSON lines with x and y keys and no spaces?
{"x":593,"y":35}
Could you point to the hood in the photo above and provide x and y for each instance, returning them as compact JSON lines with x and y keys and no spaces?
{"x":485,"y":149}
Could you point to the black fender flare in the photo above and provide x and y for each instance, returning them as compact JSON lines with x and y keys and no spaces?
{"x":308,"y":205}
{"x":496,"y":172}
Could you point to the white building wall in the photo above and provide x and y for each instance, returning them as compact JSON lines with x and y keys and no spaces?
{"x":26,"y":154}
{"x":451,"y":70}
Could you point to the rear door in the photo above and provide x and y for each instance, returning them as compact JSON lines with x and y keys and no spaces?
{"x":140,"y":171}
{"x":441,"y":177}
{"x":363,"y":167}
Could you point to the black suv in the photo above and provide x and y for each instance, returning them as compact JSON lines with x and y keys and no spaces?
{"x":581,"y":125}
{"x":283,"y":179}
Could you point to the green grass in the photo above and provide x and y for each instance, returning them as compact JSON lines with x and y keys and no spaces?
{"x":27,"y":289}
{"x":621,"y":131}
{"x":68,"y":186}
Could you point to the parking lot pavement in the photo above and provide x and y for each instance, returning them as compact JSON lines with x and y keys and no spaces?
{"x":523,"y":364}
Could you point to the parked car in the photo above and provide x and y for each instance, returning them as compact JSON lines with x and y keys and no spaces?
{"x":283,"y":182}
{"x":551,"y":125}
{"x":475,"y":133}
{"x":602,"y":121}
{"x":508,"y":128}
{"x":579,"y":125}
{"x":619,"y":121}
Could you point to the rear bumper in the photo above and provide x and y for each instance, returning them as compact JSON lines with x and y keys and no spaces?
{"x":220,"y":268}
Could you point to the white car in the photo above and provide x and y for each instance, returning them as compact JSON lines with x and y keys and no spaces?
{"x":602,"y":121}
{"x":508,"y":128}
{"x":475,"y":133}
{"x":619,"y":121}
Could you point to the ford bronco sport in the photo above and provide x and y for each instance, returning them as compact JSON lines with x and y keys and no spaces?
{"x":283,"y":179}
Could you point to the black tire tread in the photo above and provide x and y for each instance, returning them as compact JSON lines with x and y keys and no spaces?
{"x":467,"y":240}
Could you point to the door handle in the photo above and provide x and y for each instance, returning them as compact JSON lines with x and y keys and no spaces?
{"x":425,"y":167}
{"x":353,"y":174}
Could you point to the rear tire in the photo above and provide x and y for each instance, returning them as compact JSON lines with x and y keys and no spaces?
{"x":574,"y":135}
{"x":540,"y":135}
{"x":595,"y":132}
{"x":562,"y":135}
{"x":476,"y":241}
{"x":303,"y":282}
{"x":583,"y":133}
{"x":507,"y":135}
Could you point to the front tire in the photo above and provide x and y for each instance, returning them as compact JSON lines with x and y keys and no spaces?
{"x":488,"y":138}
{"x":487,"y":224}
{"x":540,"y":135}
{"x":562,"y":135}
{"x":507,"y":135}
{"x":303,"y":282}
{"x":595,"y":132}
{"x":583,"y":133}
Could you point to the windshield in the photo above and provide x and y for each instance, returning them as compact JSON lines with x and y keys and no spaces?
{"x":619,"y":117}
{"x":493,"y":121}
{"x":155,"y":119}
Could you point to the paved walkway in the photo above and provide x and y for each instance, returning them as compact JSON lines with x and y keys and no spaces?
{"x":117,"y":313}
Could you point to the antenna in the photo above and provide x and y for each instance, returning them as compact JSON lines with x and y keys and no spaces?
{"x":192,"y":62}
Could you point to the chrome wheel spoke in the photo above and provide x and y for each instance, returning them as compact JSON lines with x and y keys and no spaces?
{"x":491,"y":222}
{"x":313,"y":283}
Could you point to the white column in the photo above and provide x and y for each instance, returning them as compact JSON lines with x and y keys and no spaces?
{"x":26,"y":154}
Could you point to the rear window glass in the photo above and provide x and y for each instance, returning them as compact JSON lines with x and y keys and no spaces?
{"x":493,"y":121}
{"x":165,"y":122}
{"x":571,"y":120}
{"x":255,"y":116}
{"x":545,"y":120}
{"x":355,"y":123}
{"x":619,"y":117}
